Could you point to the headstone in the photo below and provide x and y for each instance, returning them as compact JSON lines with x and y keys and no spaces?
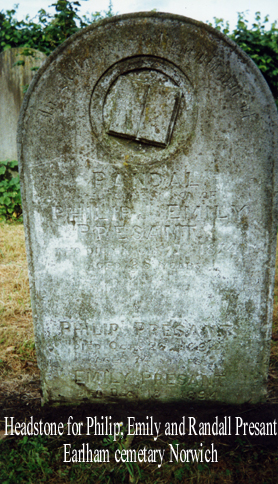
{"x":148,"y":153}
{"x":12,"y":81}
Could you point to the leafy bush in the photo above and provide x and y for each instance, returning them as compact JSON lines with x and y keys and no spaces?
{"x":10,"y":199}
{"x":49,"y":31}
{"x":259,"y":43}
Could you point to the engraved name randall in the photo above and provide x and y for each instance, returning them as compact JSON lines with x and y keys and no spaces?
{"x":144,"y":112}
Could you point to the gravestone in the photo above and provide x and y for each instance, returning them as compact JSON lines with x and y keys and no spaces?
{"x":12,"y":81}
{"x":148,"y":151}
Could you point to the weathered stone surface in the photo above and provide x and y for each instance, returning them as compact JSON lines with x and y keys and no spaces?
{"x":12,"y":80}
{"x":148,"y":153}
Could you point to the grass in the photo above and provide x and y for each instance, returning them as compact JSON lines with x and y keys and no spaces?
{"x":17,"y":352}
{"x":39,"y":459}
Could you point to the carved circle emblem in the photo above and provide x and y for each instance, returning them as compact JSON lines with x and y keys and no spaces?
{"x":143,"y":110}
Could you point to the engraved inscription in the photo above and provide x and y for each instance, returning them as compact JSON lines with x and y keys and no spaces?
{"x":118,"y":384}
{"x":146,"y":174}
{"x":47,"y":110}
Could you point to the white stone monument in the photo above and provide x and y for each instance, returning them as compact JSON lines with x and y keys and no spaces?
{"x":148,"y":157}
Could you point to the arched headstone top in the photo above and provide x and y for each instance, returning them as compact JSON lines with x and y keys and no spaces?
{"x":148,"y":154}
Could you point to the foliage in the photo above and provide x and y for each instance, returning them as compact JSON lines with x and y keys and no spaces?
{"x":28,"y":459}
{"x":49,"y":31}
{"x":10,"y":199}
{"x":44,"y":35}
{"x":259,"y":43}
{"x":41,"y":459}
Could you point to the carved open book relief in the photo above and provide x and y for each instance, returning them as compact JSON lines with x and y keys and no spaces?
{"x":144,"y":112}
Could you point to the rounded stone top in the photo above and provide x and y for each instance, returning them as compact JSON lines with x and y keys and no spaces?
{"x":137,"y":85}
{"x":148,"y":153}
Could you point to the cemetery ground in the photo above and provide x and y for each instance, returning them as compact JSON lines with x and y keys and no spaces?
{"x":241,"y":459}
